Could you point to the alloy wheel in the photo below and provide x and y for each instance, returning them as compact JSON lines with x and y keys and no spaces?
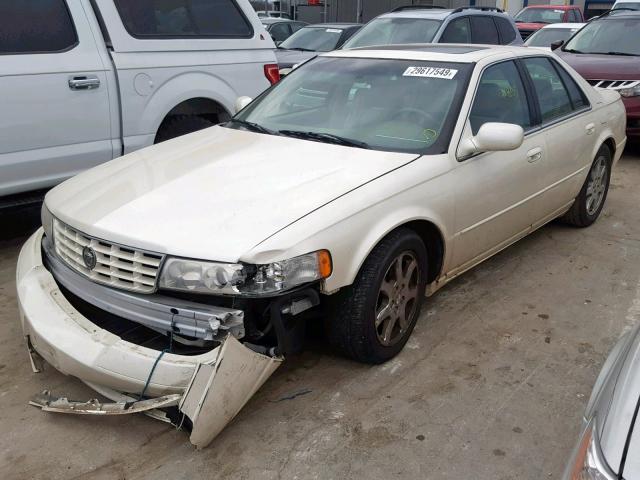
{"x":597,"y":185}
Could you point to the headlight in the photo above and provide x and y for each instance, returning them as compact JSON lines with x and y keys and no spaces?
{"x":47,"y":221}
{"x":630,"y":92}
{"x":589,"y":462}
{"x":243,"y":279}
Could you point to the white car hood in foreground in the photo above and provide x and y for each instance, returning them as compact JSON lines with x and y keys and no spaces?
{"x":214,"y":194}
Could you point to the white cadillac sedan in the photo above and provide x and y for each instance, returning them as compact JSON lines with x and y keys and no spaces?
{"x":367,"y":178}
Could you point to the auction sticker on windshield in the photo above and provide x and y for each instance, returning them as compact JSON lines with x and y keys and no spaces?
{"x":430,"y":72}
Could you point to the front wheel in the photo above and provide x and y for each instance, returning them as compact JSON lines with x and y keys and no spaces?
{"x":590,"y":201}
{"x":374,"y":317}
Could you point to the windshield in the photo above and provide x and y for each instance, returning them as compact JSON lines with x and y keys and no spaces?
{"x":546,"y":36}
{"x":540,"y":15}
{"x":609,"y":36}
{"x":390,"y":105}
{"x":631,"y":5}
{"x":314,"y":39}
{"x":394,"y":30}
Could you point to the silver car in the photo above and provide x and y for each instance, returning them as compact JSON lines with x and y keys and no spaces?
{"x":609,"y":445}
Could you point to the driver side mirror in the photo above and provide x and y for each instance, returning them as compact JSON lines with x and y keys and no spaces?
{"x":557,"y":44}
{"x":242,"y":102}
{"x":492,"y":137}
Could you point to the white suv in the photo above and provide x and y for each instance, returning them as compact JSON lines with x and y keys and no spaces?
{"x":85,"y":81}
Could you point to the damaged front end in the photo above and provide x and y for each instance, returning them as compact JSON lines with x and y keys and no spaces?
{"x":187,"y":360}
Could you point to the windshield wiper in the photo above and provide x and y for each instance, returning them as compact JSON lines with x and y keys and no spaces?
{"x":572,"y":50}
{"x":325,"y":137}
{"x":622,"y":53}
{"x":254,"y":127}
{"x":300,"y":49}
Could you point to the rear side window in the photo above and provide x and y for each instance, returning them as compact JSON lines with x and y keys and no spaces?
{"x":507,"y":32}
{"x":184,"y":18}
{"x":458,"y":31}
{"x":35,"y":26}
{"x":578,"y":98}
{"x":484,"y":30}
{"x":553,"y":97}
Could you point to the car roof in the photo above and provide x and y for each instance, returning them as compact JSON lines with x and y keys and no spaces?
{"x":563,"y":26}
{"x":554,"y":7}
{"x":442,"y":52}
{"x":333,"y":25}
{"x":270,"y":20}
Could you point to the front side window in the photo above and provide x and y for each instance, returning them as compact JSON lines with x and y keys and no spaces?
{"x":317,"y":39}
{"x":484,"y":30}
{"x":553,"y":98}
{"x":183,"y":18}
{"x":458,"y":31}
{"x":404,"y":106}
{"x":394,"y":30}
{"x":540,"y":15}
{"x":500,"y":97}
{"x":279,"y":32}
{"x":611,"y":35}
{"x":35,"y":26}
{"x":546,"y":36}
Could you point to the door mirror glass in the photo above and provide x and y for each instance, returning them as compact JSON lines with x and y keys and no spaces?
{"x":557,"y":44}
{"x":242,"y":102}
{"x":493,"y":137}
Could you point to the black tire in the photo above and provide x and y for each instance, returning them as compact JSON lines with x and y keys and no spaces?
{"x":179,"y":125}
{"x":582,"y":213}
{"x":351,"y":324}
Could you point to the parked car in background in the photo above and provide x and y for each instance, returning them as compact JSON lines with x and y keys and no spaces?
{"x":273,"y":14}
{"x":82,"y":82}
{"x":533,"y":18}
{"x":607,"y":53}
{"x":308,"y":41}
{"x":609,"y":442}
{"x":556,"y":32}
{"x":364,"y":180}
{"x":629,"y":4}
{"x":280,"y":28}
{"x":420,"y":24}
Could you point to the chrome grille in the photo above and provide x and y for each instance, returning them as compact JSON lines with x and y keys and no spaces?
{"x":116,"y":266}
{"x":614,"y":84}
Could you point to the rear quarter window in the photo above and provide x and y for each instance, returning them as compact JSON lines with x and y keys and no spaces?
{"x":483,"y":30}
{"x":507,"y":32}
{"x":184,"y":19}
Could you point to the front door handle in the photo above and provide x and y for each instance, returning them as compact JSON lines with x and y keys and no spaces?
{"x":84,"y":82}
{"x":590,"y":128}
{"x":534,"y":154}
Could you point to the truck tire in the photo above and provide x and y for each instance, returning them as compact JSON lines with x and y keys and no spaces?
{"x":179,"y":125}
{"x":590,"y":201}
{"x":372,"y":319}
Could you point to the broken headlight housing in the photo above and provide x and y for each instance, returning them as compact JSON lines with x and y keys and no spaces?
{"x":219,"y":278}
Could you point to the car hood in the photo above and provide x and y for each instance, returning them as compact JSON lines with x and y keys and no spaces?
{"x":289,"y":58}
{"x":214,"y":194}
{"x":602,"y":67}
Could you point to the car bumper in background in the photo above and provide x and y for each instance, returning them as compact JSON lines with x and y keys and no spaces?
{"x":632,"y":105}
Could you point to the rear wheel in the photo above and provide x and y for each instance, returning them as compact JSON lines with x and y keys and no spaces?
{"x":589,"y":203}
{"x":373,"y":318}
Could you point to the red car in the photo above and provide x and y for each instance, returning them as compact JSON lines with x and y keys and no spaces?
{"x":533,"y":18}
{"x":607,"y":53}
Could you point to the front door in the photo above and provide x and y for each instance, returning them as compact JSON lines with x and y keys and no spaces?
{"x":497,"y":189}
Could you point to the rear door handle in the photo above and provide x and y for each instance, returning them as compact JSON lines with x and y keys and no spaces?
{"x":590,"y":128}
{"x":534,"y":154}
{"x":84,"y":82}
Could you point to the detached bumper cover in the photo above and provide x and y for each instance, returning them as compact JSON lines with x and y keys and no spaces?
{"x":213,"y":386}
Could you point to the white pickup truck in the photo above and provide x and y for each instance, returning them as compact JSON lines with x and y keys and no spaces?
{"x":85,"y":81}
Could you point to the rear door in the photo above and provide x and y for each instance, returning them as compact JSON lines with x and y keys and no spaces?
{"x":55,"y":117}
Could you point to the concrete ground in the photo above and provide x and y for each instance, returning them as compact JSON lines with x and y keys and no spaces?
{"x":491,"y":385}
